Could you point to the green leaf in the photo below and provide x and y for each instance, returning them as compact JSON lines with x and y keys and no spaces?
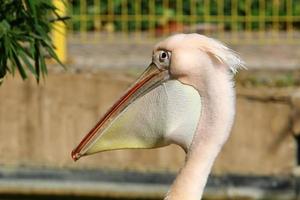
{"x":12,"y":67}
{"x":25,"y":59}
{"x":25,"y":27}
{"x":4,"y":28}
{"x":37,"y":59}
{"x":19,"y":65}
{"x":43,"y":65}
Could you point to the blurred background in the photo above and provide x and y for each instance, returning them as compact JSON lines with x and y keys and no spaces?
{"x":105,"y":45}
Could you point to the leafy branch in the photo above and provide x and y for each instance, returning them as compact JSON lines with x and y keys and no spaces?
{"x":24,"y":37}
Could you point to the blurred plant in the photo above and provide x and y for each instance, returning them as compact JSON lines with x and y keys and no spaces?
{"x":269,"y":79}
{"x":24,"y":36}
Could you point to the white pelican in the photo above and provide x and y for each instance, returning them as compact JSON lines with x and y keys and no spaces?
{"x":185,"y":96}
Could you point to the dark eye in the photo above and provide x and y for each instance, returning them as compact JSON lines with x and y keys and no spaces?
{"x":163,"y":56}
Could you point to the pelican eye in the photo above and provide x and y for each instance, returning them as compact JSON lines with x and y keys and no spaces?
{"x":163,"y":55}
{"x":163,"y":58}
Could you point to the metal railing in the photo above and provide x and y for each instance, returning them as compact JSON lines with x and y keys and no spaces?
{"x":232,"y":21}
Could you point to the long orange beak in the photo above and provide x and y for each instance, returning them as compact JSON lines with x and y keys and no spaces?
{"x":151,"y":78}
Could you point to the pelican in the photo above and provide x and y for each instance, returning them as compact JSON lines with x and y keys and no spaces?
{"x":185,"y":96}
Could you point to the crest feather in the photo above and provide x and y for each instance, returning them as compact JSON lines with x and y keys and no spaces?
{"x":222,"y":53}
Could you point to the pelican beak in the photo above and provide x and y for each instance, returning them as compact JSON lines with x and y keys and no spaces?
{"x":115,"y":130}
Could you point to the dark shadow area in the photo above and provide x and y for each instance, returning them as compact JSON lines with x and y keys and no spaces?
{"x":297,"y":139}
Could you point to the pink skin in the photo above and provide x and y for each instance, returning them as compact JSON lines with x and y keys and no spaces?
{"x":204,"y":64}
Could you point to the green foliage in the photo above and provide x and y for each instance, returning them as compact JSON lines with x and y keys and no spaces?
{"x":167,"y":13}
{"x":24,"y":36}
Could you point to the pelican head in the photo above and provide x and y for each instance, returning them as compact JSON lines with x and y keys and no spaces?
{"x":185,"y":96}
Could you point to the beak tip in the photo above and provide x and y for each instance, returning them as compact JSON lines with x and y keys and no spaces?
{"x":75,"y":155}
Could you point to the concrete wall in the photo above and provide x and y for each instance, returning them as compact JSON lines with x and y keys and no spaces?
{"x":41,"y":124}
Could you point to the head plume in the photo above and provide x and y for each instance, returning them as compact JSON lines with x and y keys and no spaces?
{"x":212,"y":47}
{"x":221,"y":52}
